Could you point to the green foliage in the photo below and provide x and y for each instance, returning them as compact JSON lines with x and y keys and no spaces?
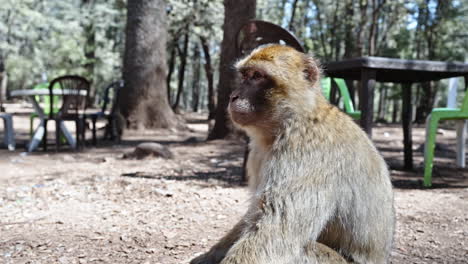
{"x":86,"y":37}
{"x":49,"y":37}
{"x":200,"y":18}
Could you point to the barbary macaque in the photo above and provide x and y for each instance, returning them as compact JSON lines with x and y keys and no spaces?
{"x":318,"y":182}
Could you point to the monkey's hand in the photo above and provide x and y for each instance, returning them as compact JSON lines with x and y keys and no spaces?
{"x":211,"y":257}
{"x":218,"y":251}
{"x":290,"y":218}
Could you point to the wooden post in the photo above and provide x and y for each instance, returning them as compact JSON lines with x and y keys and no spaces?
{"x":366,"y":99}
{"x":406,"y":116}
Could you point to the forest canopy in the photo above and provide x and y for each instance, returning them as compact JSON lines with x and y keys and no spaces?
{"x":48,"y":38}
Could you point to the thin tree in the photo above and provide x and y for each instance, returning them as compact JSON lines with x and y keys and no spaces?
{"x":236,"y":14}
{"x":172,"y":59}
{"x":143,"y":101}
{"x":196,"y":78}
{"x":183,"y":62}
{"x":209,"y":78}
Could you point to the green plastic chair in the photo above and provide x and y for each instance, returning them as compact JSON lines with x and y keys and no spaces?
{"x":432,"y":122}
{"x":347,"y":102}
{"x":46,"y":104}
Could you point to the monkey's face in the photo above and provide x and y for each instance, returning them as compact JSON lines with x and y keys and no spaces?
{"x":271,"y":79}
{"x":248,"y":103}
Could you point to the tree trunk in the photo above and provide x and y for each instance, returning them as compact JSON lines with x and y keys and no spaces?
{"x":236,"y":14}
{"x":196,"y":78}
{"x":90,"y":50}
{"x":349,"y":39}
{"x":143,"y":100}
{"x":209,"y":79}
{"x":171,"y":70}
{"x":3,"y":84}
{"x":363,"y":4}
{"x":293,"y":14}
{"x":183,"y":63}
{"x":426,"y":102}
{"x":395,"y":110}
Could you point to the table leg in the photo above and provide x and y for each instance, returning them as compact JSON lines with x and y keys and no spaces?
{"x":366,"y":100}
{"x":461,"y":139}
{"x":37,"y":136}
{"x":71,"y":141}
{"x":461,"y":136}
{"x":406,"y":117}
{"x":40,"y":130}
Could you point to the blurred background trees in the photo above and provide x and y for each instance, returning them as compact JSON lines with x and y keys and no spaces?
{"x":43,"y":39}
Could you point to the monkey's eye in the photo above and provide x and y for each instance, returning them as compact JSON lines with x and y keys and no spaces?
{"x":256,"y":75}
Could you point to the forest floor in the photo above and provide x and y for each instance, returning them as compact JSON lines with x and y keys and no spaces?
{"x":94,"y":206}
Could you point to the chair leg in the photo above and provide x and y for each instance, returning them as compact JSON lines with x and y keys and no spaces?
{"x":77,"y":136}
{"x":94,"y":119}
{"x":83,"y":132}
{"x":57,"y":135}
{"x":110,"y":128}
{"x":31,"y":126}
{"x":44,"y":139}
{"x":431,"y":132}
{"x":9,"y":132}
{"x":79,"y":132}
{"x":461,"y":141}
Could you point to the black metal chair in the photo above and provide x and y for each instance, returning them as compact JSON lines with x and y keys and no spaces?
{"x":70,"y":93}
{"x":109,"y":98}
{"x":257,"y":32}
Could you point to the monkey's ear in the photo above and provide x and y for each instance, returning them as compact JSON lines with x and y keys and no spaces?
{"x":311,"y":69}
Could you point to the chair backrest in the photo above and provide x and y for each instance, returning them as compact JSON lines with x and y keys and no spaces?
{"x":74,"y":91}
{"x":257,"y":32}
{"x":344,"y":92}
{"x":465,"y":100}
{"x":348,"y":103}
{"x":110,"y":96}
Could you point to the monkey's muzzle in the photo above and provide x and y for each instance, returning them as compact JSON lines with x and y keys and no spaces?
{"x":241,"y":111}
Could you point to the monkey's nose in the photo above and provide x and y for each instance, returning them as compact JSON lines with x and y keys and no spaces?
{"x":234,"y":98}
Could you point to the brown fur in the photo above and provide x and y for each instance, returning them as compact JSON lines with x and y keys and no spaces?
{"x":316,"y":177}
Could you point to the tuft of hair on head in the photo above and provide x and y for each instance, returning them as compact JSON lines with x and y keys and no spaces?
{"x":282,"y":61}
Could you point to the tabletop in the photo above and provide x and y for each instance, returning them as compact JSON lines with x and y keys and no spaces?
{"x":370,"y":70}
{"x":396,"y":70}
{"x":33,"y":92}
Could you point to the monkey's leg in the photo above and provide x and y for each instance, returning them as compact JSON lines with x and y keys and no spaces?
{"x":316,"y":252}
{"x":289,"y":220}
{"x":218,"y":251}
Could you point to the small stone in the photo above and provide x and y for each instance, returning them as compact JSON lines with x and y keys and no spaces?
{"x":150,"y":149}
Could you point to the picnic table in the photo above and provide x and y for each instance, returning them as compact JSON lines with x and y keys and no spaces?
{"x":32,"y":95}
{"x":370,"y":70}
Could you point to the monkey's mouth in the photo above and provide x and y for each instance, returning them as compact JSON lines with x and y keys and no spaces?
{"x":242,"y":114}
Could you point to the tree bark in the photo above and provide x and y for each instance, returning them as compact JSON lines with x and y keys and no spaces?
{"x":90,"y":50}
{"x":363,"y":4}
{"x":209,"y":79}
{"x":183,"y":62}
{"x":171,"y":70}
{"x":143,"y":100}
{"x":395,"y":110}
{"x":3,"y":84}
{"x":196,"y":78}
{"x":293,"y":14}
{"x":236,"y":14}
{"x":349,"y":39}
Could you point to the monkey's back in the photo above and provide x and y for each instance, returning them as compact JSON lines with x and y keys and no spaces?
{"x":337,"y":153}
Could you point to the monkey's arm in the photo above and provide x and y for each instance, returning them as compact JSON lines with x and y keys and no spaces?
{"x":293,"y":208}
{"x":219,"y":250}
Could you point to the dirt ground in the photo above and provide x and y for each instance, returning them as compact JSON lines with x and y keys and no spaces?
{"x":94,"y":206}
